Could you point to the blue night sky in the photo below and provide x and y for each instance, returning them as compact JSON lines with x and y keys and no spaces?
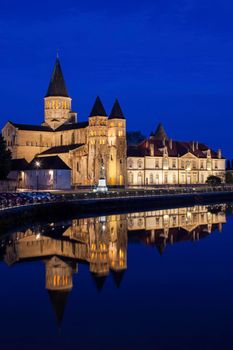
{"x":168,"y":61}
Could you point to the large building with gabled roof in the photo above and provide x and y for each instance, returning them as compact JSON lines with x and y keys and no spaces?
{"x":82,"y":146}
{"x":159,"y":160}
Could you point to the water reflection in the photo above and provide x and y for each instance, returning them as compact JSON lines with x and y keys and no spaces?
{"x":102,"y":243}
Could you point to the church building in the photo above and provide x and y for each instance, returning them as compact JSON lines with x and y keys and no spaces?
{"x":82,"y":146}
{"x":64,"y":152}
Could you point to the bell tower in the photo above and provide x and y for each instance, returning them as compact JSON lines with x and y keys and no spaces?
{"x":117,"y":146}
{"x":57,"y":103}
{"x":97,"y":141}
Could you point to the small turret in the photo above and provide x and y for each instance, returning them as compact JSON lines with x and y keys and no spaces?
{"x":116,"y":112}
{"x":160,"y":133}
{"x":98,"y":109}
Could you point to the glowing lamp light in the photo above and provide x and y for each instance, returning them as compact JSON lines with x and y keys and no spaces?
{"x":37,"y":164}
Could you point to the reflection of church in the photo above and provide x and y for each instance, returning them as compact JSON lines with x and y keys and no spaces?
{"x":102,"y":242}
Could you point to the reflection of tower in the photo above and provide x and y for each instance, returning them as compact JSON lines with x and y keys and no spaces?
{"x":118,"y":246}
{"x":99,"y":264}
{"x":59,"y":283}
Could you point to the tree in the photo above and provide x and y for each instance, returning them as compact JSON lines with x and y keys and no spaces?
{"x":5,"y":159}
{"x":229,"y":177}
{"x":213,"y":180}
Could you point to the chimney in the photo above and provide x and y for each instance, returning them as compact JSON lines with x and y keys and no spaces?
{"x":219,"y":154}
{"x":170,"y":143}
{"x":152,"y":150}
{"x":193,"y":146}
{"x":197,"y":145}
{"x":164,"y":141}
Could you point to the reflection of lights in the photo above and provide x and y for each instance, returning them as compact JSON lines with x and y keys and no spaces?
{"x":38,"y":236}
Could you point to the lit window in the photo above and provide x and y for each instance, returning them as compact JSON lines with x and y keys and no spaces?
{"x":130,"y":163}
{"x":139,"y":163}
{"x":151,"y":178}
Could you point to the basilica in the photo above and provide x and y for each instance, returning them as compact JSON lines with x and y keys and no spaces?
{"x":81,"y":146}
{"x":64,"y":152}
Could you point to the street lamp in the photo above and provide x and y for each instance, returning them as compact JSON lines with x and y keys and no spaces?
{"x":37,"y":165}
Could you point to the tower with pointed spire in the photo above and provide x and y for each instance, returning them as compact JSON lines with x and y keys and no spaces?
{"x":57,"y":102}
{"x":117,"y":145}
{"x":97,"y":140}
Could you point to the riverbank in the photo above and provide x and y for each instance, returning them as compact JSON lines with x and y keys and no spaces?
{"x":70,"y":206}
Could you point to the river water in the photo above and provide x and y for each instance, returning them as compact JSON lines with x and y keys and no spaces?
{"x":159,"y":279}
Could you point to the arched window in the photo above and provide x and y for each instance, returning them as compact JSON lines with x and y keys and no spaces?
{"x":140,"y":179}
{"x":72,"y":138}
{"x":61,"y":140}
{"x":130,"y":178}
{"x":151,"y":178}
{"x":174,"y":178}
{"x":165,"y":163}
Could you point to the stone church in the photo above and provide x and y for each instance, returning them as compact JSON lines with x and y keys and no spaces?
{"x":82,"y":146}
{"x":66,"y":152}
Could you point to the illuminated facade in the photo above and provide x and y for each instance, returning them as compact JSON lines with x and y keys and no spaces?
{"x":162,"y":161}
{"x":81,"y":145}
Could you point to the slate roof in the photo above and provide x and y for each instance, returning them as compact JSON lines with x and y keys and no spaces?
{"x":19,"y":164}
{"x":116,"y":112}
{"x":174,"y":148}
{"x":46,"y":163}
{"x":57,"y":85}
{"x":58,"y":300}
{"x":63,"y":127}
{"x":160,"y":133}
{"x":72,"y":126}
{"x":62,"y":149}
{"x":31,"y":127}
{"x":98,"y":109}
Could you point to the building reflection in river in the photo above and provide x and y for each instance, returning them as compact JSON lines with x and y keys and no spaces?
{"x":102,"y":243}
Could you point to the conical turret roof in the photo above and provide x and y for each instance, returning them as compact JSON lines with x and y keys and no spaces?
{"x":99,"y":281}
{"x":98,"y":109}
{"x":58,"y":300}
{"x":160,"y":133}
{"x":116,"y":112}
{"x":57,"y":85}
{"x":118,"y":277}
